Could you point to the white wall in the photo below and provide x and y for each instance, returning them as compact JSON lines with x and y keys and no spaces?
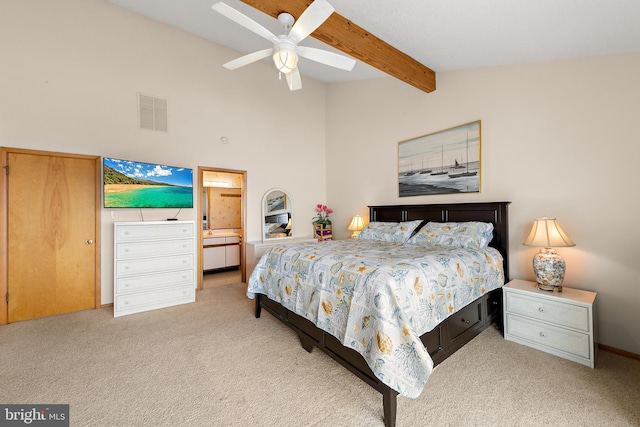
{"x":558,"y":139}
{"x":70,"y":74}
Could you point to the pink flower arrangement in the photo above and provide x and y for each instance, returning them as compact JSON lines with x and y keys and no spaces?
{"x":323,"y":212}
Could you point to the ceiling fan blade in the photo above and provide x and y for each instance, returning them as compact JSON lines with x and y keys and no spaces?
{"x":293,"y":79}
{"x":248,"y":59}
{"x":244,"y":20}
{"x":311,"y":18}
{"x":327,"y":58}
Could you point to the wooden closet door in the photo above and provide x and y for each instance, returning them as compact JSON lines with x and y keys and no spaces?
{"x":51,"y":234}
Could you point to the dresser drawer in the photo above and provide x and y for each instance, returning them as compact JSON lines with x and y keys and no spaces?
{"x":213,"y":241}
{"x":464,"y":319}
{"x":565,"y":340}
{"x":129,"y":284}
{"x":143,"y":301}
{"x":561,"y":313}
{"x":129,"y":232}
{"x":154,"y":265}
{"x":233,"y":239}
{"x":154,"y":248}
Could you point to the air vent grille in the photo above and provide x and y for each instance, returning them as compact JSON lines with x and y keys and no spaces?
{"x":152,"y":112}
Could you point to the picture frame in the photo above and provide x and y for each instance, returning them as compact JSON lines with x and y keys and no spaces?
{"x":276,"y":201}
{"x":444,"y":162}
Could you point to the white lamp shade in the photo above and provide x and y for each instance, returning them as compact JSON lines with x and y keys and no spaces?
{"x":357,"y":223}
{"x":547,"y":233}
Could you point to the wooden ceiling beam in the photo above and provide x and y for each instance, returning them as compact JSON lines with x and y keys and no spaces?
{"x":344,"y":35}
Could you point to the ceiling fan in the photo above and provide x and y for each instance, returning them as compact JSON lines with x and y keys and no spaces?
{"x":285,"y":50}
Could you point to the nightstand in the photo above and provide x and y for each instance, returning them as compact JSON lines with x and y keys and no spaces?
{"x":323,"y":232}
{"x":560,"y":323}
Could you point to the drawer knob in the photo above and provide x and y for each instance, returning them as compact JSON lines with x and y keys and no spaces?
{"x":542,"y":309}
{"x":465,"y":321}
{"x":542,"y":334}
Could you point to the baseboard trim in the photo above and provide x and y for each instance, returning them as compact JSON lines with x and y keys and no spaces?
{"x":106,"y":305}
{"x":618,"y":351}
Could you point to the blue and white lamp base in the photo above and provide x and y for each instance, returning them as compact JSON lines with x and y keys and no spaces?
{"x":549,"y":269}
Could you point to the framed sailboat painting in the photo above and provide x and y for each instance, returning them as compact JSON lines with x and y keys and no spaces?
{"x":444,"y":162}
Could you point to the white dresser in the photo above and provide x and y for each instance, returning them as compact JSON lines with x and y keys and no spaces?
{"x":255,"y":250}
{"x":560,"y":323}
{"x":154,"y":265}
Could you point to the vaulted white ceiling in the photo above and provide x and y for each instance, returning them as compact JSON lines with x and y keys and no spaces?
{"x":441,"y":34}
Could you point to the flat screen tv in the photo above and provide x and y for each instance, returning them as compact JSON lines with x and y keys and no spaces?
{"x":131,"y":184}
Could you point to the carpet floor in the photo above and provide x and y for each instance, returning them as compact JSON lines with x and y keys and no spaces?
{"x":211,"y":363}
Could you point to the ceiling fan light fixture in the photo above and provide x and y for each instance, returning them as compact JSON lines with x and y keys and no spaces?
{"x":285,"y":56}
{"x":285,"y":51}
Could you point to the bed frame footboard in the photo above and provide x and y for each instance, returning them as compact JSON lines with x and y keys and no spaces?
{"x":444,"y":340}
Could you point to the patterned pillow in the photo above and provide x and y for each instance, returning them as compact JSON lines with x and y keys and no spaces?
{"x":471,"y":235}
{"x":389,"y":231}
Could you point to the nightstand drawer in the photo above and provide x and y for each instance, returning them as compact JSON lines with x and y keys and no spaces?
{"x":560,"y":313}
{"x":565,"y":340}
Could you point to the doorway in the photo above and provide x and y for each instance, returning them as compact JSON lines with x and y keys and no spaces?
{"x":50,"y":234}
{"x":222,"y":207}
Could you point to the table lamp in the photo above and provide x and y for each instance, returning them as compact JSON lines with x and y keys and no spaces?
{"x":548,"y":265}
{"x":357,"y":224}
{"x":288,"y":227}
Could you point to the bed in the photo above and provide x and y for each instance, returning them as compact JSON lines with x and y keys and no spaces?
{"x":385,"y":310}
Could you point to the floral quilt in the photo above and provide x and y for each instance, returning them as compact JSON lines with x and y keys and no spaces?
{"x":378,"y":297}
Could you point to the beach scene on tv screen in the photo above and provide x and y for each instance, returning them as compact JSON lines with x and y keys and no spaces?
{"x":130,"y":184}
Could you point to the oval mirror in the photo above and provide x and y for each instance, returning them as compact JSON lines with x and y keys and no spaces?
{"x":277,"y":212}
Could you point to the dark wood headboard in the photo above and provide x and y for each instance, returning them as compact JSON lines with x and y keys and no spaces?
{"x":493,"y":212}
